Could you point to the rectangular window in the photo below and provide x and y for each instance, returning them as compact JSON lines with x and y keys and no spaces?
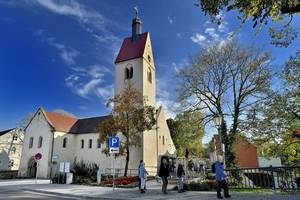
{"x":82,"y":144}
{"x":98,"y":143}
{"x":163,"y":140}
{"x":90,"y":143}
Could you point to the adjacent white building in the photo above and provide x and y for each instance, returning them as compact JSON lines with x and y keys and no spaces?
{"x":61,"y":138}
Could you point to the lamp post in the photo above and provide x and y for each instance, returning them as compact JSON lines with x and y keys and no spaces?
{"x":218,"y":121}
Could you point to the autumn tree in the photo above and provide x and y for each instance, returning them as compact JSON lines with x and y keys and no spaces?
{"x":260,"y":12}
{"x":187,"y":131}
{"x":225,"y":80}
{"x":130,"y":117}
{"x":272,"y":123}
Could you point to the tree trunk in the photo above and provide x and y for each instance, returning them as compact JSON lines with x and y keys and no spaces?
{"x":127,"y":157}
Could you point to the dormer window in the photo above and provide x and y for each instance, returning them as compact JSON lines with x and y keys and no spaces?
{"x":128,"y":72}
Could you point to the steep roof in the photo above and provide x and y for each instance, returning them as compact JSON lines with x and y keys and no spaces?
{"x":74,"y":125}
{"x":132,"y":49}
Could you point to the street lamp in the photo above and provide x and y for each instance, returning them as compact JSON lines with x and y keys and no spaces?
{"x":218,"y":121}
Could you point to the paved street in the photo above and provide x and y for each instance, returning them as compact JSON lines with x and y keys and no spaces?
{"x":13,"y":194}
{"x":26,"y":189}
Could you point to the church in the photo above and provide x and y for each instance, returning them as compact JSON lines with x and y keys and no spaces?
{"x":61,"y":138}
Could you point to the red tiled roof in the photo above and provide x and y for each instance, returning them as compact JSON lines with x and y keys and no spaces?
{"x":70,"y":124}
{"x":61,"y":122}
{"x":132,"y":49}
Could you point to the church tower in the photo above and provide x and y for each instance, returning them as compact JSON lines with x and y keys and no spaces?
{"x":135,"y":65}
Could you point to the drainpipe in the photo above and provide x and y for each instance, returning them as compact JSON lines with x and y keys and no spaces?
{"x":51,"y":161}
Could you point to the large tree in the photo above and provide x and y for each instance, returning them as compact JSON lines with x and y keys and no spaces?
{"x":272,"y":124}
{"x":187,"y":131}
{"x":225,"y":80}
{"x":131,"y":116}
{"x":259,"y":12}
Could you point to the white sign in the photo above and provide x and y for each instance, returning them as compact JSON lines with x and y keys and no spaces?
{"x":113,"y":150}
{"x":62,"y":167}
{"x":55,"y":158}
{"x":67,"y":167}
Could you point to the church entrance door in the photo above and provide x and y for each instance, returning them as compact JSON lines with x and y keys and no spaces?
{"x":32,"y":167}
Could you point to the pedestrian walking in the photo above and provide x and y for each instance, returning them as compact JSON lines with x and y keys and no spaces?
{"x":141,"y":161}
{"x":180,"y":176}
{"x":142,"y":176}
{"x":218,"y":169}
{"x":164,"y":174}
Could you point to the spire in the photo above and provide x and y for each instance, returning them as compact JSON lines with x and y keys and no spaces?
{"x":136,"y":25}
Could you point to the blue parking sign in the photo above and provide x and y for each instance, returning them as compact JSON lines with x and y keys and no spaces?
{"x":114,"y":142}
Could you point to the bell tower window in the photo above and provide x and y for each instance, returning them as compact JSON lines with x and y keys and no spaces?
{"x":128,"y":72}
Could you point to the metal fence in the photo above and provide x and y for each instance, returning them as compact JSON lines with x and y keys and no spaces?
{"x":152,"y":170}
{"x":285,"y":178}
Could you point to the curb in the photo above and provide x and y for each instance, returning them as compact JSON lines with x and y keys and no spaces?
{"x":74,"y":196}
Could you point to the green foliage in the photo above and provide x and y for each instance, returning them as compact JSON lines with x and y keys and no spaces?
{"x":270,"y":124}
{"x":260,"y":12}
{"x":130,"y":116}
{"x":187,"y":131}
{"x":84,"y":172}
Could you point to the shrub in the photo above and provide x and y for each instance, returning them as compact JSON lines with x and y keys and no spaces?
{"x":84,"y":172}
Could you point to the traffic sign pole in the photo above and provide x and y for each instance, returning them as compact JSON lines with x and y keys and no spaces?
{"x":36,"y":172}
{"x":114,"y":170}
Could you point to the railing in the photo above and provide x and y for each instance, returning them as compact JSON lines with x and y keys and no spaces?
{"x":152,"y":170}
{"x":285,"y":178}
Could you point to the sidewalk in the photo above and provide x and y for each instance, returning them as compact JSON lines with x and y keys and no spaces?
{"x":153,"y":192}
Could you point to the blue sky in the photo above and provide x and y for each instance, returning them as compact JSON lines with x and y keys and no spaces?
{"x":60,"y":54}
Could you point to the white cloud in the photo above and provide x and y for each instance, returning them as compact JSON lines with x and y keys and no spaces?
{"x":212,"y":33}
{"x":89,"y":81}
{"x":85,"y":16}
{"x":170,"y":20}
{"x":67,"y":54}
{"x":199,"y":39}
{"x":64,"y":112}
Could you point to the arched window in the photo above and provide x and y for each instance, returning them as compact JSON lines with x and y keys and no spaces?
{"x":13,"y":150}
{"x":65,"y":142}
{"x":82,"y":144}
{"x":30,"y":142}
{"x":128,"y":72}
{"x":90,"y":143}
{"x":149,"y":75}
{"x":40,"y":142}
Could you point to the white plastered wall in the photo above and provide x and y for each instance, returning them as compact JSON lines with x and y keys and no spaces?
{"x":37,"y":127}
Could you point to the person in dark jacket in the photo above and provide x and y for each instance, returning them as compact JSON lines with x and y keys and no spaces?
{"x":180,"y":175}
{"x":164,"y":174}
{"x":221,"y":179}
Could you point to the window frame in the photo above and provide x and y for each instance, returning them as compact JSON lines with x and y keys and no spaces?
{"x":65,"y":141}
{"x":90,"y":143}
{"x":30,"y":142}
{"x":82,"y":143}
{"x":40,"y":142}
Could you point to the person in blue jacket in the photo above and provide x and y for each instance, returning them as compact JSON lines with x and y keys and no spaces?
{"x":143,"y":176}
{"x":221,"y":178}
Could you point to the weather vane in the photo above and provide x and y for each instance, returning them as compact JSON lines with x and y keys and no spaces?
{"x":136,"y":10}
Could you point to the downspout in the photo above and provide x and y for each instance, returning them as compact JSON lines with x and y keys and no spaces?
{"x":51,"y":156}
